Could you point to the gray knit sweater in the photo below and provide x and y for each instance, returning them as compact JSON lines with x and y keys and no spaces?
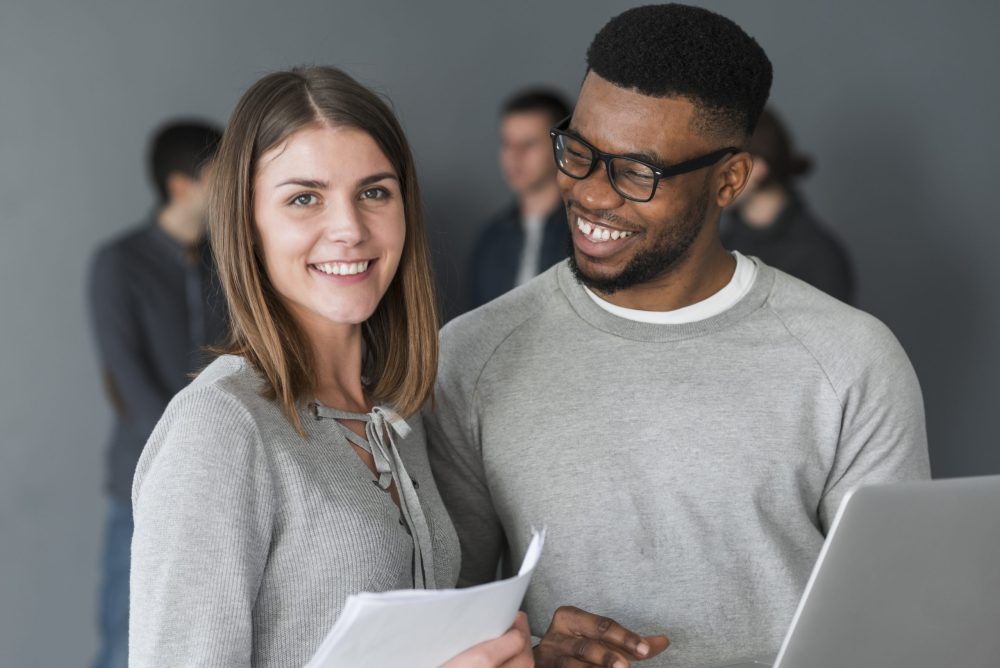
{"x":248,"y":538}
{"x":687,"y":474}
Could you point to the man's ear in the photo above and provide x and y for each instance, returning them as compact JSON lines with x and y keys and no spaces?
{"x":733,"y":177}
{"x":179,"y":186}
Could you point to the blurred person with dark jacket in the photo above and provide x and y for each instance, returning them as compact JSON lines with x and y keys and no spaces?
{"x":155,"y":305}
{"x":772,"y":221}
{"x":530,"y":234}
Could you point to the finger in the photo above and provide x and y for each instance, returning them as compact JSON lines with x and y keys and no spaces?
{"x":525,"y":658}
{"x":492,"y":652}
{"x":657,"y":644}
{"x":521,"y":624}
{"x":587,"y":650}
{"x":608,"y":631}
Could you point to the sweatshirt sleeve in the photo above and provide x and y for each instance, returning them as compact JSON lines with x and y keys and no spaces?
{"x":203,"y":505}
{"x":455,"y":453}
{"x":883,"y":436}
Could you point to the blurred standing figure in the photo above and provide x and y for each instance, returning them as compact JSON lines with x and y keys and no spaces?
{"x":155,"y":304}
{"x":770,"y":220}
{"x":530,"y":235}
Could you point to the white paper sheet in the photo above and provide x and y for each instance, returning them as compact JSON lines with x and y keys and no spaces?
{"x":419,"y":628}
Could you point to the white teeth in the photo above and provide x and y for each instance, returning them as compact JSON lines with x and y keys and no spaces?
{"x":598,"y":233}
{"x":343,"y":268}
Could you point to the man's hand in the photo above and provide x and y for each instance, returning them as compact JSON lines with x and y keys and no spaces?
{"x":577,"y":638}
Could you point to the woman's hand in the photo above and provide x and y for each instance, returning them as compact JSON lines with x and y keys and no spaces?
{"x":511,"y":650}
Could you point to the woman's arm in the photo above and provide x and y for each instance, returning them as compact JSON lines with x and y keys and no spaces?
{"x":203,"y":506}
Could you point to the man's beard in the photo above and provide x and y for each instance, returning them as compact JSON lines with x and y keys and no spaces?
{"x":667,"y":251}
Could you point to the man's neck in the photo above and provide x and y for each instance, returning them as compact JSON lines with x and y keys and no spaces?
{"x":763,"y":207}
{"x":697,"y":278}
{"x":180,"y":225}
{"x":540,"y":201}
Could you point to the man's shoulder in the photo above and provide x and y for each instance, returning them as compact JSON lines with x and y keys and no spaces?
{"x":123,"y":246}
{"x":844,"y":340}
{"x":474,"y":336}
{"x":501,"y":222}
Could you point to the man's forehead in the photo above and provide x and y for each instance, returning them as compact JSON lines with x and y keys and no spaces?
{"x":624,"y":120}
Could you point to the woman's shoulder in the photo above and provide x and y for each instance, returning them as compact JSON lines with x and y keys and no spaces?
{"x":230,"y":383}
{"x":216,"y":421}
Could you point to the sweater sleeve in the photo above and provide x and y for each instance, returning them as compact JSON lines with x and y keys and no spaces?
{"x":455,"y":454}
{"x":203,"y":504}
{"x":883,"y":436}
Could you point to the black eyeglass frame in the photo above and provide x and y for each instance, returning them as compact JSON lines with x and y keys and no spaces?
{"x":659,"y":173}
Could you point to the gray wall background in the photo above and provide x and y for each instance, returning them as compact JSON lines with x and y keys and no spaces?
{"x":896,"y":100}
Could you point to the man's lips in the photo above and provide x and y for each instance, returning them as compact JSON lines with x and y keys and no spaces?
{"x":598,"y":239}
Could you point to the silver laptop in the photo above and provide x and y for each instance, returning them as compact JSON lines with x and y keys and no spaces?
{"x":909,"y":577}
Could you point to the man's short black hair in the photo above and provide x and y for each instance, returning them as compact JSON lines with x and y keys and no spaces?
{"x":180,"y":146}
{"x":545,"y":100}
{"x":676,"y":50}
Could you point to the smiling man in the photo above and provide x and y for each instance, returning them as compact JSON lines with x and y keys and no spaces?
{"x":684,"y":420}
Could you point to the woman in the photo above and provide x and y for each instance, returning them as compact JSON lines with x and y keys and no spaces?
{"x":284,"y":479}
{"x":772,"y":221}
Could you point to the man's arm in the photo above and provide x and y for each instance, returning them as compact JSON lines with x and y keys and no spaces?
{"x":883,"y":437}
{"x":456,"y":458}
{"x":121,"y":344}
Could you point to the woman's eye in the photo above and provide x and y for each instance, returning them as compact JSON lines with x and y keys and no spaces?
{"x":375,"y":193}
{"x":305,"y":199}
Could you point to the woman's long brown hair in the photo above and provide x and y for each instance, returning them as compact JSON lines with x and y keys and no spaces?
{"x":401,"y":337}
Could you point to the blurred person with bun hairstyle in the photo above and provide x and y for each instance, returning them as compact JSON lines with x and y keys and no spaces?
{"x":772,"y":221}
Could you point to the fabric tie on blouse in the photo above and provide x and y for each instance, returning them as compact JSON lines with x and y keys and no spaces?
{"x":380,"y":426}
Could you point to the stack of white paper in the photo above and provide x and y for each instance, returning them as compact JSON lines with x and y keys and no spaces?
{"x":424,"y":628}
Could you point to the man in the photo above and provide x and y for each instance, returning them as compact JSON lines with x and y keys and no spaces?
{"x":529,"y":235}
{"x":685,"y":421}
{"x":772,"y":221}
{"x":155,"y":304}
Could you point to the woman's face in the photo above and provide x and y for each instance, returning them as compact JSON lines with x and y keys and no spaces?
{"x":329,"y":211}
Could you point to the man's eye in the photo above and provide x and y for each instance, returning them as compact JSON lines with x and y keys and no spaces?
{"x":375,"y":193}
{"x":305,"y":199}
{"x":639,"y":176}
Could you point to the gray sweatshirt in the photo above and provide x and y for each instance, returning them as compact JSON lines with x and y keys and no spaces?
{"x":249,"y":538}
{"x":688,"y":473}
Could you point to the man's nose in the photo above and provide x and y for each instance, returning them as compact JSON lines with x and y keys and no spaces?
{"x":596,"y":192}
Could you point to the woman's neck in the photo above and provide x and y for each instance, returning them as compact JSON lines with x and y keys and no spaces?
{"x":337,"y":354}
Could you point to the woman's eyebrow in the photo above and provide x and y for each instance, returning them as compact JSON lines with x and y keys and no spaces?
{"x":315,"y":184}
{"x":374,"y":178}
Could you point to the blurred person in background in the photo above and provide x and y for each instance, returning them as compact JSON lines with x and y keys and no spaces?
{"x":155,"y":304}
{"x":529,"y":235}
{"x":771,"y":220}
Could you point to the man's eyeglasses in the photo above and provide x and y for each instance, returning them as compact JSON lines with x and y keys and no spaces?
{"x":631,"y":178}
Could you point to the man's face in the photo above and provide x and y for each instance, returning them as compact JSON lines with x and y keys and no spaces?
{"x":525,"y":151}
{"x":660,"y":234}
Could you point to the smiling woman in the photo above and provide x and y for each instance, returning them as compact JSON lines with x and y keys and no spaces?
{"x":285,"y":477}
